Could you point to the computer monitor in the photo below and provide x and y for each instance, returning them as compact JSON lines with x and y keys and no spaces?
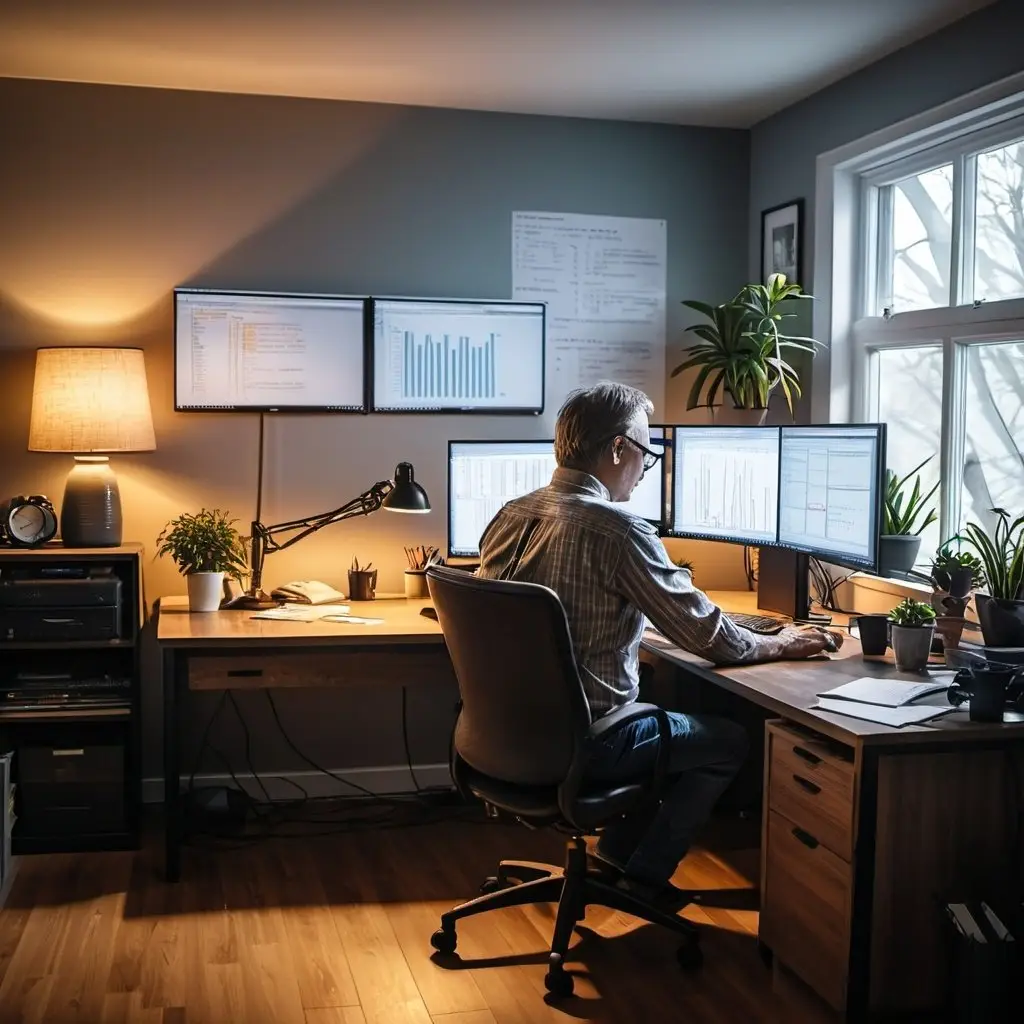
{"x":483,"y":475}
{"x":832,"y":480}
{"x":268,"y":352}
{"x":725,"y":484}
{"x":458,"y":356}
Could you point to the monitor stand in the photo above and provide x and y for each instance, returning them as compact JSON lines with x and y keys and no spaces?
{"x":783,"y":585}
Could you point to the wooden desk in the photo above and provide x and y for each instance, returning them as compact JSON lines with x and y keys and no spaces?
{"x":866,"y":827}
{"x":232,"y":650}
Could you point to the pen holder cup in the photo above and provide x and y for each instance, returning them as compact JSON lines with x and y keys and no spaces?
{"x":362,"y":584}
{"x":873,"y":633}
{"x":416,"y":583}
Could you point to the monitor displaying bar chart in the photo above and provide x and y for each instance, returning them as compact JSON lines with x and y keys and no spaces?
{"x":458,"y":356}
{"x":261,"y":352}
{"x":725,"y":484}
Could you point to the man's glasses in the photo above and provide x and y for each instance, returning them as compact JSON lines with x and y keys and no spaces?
{"x":650,"y":458}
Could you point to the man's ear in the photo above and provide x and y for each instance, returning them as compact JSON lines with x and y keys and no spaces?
{"x":617,"y":451}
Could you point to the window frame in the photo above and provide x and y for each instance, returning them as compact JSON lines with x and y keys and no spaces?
{"x":851,"y":211}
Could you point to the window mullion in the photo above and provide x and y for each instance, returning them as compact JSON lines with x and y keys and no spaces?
{"x":884,"y":255}
{"x":956,"y":240}
{"x":954,"y":407}
{"x":968,"y":240}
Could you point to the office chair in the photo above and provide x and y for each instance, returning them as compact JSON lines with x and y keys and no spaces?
{"x":522,"y":743}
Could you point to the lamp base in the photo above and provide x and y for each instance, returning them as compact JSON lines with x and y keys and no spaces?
{"x":90,"y":515}
{"x":253,"y":602}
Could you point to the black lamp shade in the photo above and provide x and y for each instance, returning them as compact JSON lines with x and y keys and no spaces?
{"x":406,"y":495}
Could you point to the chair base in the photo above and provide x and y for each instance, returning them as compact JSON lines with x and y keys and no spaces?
{"x":575,"y":887}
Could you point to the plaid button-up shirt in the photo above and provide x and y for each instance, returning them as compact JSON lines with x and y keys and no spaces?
{"x":610,"y":570}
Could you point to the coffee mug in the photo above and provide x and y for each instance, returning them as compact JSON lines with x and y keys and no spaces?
{"x":873,"y":631}
{"x":988,"y":693}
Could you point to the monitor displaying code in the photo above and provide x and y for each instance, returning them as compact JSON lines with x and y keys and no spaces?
{"x":726,"y":484}
{"x":458,"y":356}
{"x":262,"y":352}
{"x":830,"y":492}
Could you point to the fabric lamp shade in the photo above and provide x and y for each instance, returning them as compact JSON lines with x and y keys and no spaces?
{"x":91,"y":400}
{"x":88,"y":401}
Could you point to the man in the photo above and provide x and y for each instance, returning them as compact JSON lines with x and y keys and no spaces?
{"x":610,"y":570}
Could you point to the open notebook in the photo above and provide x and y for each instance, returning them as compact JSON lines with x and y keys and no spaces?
{"x":889,"y":693}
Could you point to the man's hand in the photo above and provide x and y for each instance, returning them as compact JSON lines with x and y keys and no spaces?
{"x":808,"y":641}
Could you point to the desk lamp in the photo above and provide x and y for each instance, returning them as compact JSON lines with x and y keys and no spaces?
{"x":88,"y":401}
{"x":402,"y":494}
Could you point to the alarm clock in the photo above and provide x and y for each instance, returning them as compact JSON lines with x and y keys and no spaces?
{"x":29,"y":522}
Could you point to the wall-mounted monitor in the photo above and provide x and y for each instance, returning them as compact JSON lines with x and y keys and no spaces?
{"x":458,"y":356}
{"x":483,"y":475}
{"x":832,"y":480}
{"x":268,"y":352}
{"x":725,"y":484}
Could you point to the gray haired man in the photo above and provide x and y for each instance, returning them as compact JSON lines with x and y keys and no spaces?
{"x":611,"y":571}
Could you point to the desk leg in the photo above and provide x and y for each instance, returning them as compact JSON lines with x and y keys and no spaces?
{"x":173,"y":669}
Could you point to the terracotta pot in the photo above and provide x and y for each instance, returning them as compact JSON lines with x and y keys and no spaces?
{"x":950,"y":628}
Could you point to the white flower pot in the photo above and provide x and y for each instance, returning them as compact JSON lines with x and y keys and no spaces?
{"x":205,"y":591}
{"x":911,"y":646}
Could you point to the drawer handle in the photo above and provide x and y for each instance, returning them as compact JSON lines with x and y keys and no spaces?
{"x":250,"y":673}
{"x":807,"y":784}
{"x":807,"y":755}
{"x":806,"y":838}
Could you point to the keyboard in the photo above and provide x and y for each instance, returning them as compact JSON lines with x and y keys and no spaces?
{"x":759,"y":623}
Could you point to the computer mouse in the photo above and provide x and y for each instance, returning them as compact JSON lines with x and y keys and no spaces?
{"x":429,"y":611}
{"x":833,"y":640}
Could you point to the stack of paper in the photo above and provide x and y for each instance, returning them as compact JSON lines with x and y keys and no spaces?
{"x":897,"y":717}
{"x":887,"y":701}
{"x":303,"y":612}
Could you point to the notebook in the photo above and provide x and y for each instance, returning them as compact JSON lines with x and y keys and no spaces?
{"x":896,"y":717}
{"x":889,"y":693}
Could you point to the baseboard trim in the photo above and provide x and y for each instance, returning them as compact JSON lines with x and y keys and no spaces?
{"x":385,"y":779}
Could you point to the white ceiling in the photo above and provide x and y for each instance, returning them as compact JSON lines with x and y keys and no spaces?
{"x":711,"y":62}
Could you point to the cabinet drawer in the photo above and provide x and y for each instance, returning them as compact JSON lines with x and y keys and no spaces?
{"x":319,"y":668}
{"x":805,"y":907}
{"x":813,"y":786}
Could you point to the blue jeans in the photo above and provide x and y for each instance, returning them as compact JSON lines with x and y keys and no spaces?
{"x":706,"y":754}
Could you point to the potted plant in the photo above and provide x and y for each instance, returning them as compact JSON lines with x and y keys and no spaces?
{"x":955,"y":575}
{"x":904,"y":517}
{"x":913,"y":626}
{"x":739,"y":358}
{"x":206,"y":547}
{"x":1001,"y":609}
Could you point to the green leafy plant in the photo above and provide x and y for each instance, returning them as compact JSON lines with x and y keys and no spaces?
{"x":685,"y":563}
{"x":1002,"y":555}
{"x":911,"y":518}
{"x":912,"y":613}
{"x":740,"y":353}
{"x":947,"y":561}
{"x":204,"y":542}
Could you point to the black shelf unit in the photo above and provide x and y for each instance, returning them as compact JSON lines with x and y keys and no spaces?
{"x":114,"y":735}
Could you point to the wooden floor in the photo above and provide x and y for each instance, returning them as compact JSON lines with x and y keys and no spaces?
{"x":335,"y":931}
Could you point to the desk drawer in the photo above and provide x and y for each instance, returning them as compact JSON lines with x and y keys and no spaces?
{"x":307,"y":668}
{"x":805,"y":907}
{"x":813,"y":786}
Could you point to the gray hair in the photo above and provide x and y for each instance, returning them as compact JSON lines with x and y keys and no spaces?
{"x":591,"y":417}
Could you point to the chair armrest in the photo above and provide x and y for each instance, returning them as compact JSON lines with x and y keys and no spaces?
{"x":605,"y":726}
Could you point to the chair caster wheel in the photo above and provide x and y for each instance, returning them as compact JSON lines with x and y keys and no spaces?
{"x":444,"y":940}
{"x":689,"y":956}
{"x":558,"y":983}
{"x":490,"y":885}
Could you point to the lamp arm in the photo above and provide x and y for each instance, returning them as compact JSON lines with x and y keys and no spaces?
{"x":368,"y":502}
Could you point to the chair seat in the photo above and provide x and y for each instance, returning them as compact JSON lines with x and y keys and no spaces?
{"x":596,"y":805}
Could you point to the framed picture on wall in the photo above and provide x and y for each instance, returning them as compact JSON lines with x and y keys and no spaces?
{"x":782,"y":241}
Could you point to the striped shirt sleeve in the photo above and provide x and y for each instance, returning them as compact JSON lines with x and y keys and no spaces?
{"x":678,"y":610}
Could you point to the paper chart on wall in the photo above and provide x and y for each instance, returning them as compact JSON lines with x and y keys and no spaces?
{"x":603,"y":279}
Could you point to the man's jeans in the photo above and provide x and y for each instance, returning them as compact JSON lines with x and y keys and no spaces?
{"x":706,"y":755}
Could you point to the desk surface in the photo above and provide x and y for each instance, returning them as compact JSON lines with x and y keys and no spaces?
{"x":790,"y":688}
{"x":402,"y":624}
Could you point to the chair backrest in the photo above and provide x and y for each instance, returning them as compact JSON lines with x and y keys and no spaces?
{"x":524,"y":710}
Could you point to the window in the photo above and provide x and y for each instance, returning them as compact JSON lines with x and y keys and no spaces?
{"x":934,"y":307}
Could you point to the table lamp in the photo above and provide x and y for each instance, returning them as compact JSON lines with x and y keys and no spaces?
{"x":402,"y":494}
{"x":88,"y":401}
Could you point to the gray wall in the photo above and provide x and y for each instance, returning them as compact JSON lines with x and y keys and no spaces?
{"x":113,"y":196}
{"x":976,"y":51}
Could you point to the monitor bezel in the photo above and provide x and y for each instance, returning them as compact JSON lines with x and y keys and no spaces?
{"x":670,"y":530}
{"x":663,"y":462}
{"x":448,"y":410}
{"x":297,"y":409}
{"x":841,"y":558}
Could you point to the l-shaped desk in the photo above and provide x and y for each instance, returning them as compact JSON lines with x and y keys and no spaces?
{"x":865,"y":828}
